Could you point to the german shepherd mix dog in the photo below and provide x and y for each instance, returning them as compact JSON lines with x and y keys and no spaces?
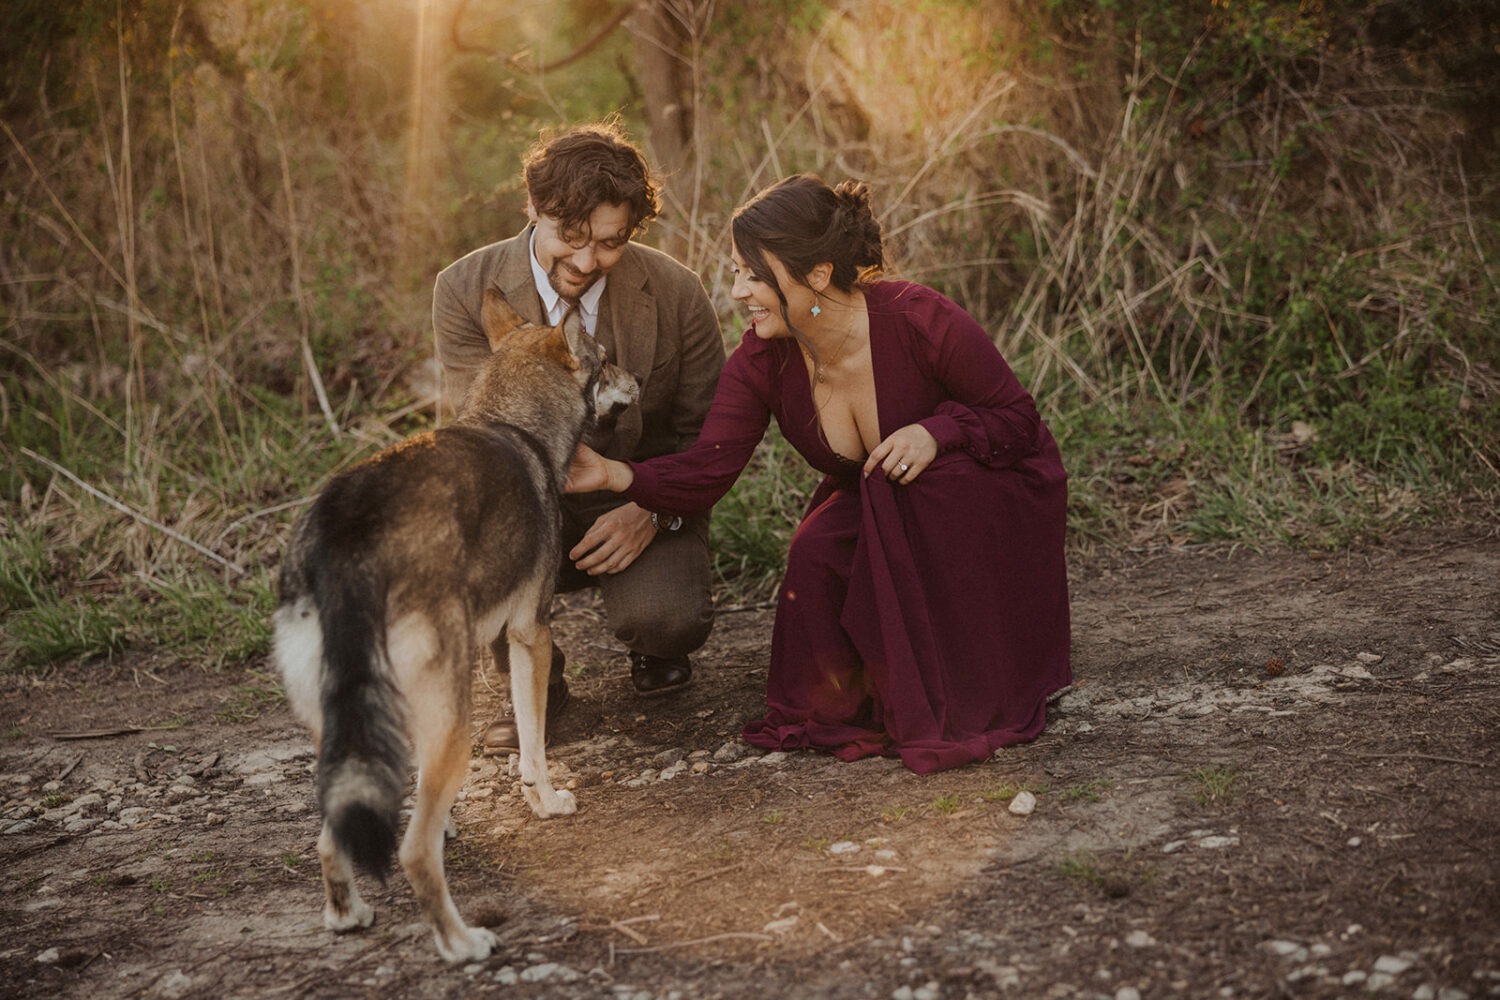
{"x":400,"y":571}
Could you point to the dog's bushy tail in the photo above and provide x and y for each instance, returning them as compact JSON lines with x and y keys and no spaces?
{"x":362,"y":763}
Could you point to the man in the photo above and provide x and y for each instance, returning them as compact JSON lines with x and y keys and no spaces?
{"x":589,"y":192}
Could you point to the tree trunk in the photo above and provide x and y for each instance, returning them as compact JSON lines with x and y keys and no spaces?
{"x":663,"y":58}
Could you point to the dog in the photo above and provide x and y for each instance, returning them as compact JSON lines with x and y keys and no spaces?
{"x":400,"y":570}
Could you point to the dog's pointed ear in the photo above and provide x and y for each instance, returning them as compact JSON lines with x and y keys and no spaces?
{"x":497,"y":317}
{"x":580,"y":344}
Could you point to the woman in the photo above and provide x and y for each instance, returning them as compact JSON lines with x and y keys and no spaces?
{"x":924,"y":611}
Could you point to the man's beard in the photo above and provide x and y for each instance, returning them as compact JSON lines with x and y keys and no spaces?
{"x":559,"y":272}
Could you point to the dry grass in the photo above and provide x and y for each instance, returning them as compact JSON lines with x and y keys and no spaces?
{"x":215,"y":285}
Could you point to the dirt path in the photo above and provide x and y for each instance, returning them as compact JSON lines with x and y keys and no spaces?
{"x":1277,"y":775}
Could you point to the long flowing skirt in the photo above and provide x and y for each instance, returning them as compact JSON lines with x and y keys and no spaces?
{"x":928,"y":621}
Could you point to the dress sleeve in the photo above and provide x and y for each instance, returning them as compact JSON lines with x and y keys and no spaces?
{"x":987,"y":412}
{"x":694,"y":480}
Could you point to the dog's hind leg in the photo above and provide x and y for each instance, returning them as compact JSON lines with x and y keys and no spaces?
{"x":530,"y":667}
{"x":344,"y":909}
{"x":439,"y":723}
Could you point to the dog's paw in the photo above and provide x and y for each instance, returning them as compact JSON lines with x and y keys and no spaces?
{"x":356,"y":916}
{"x":468,"y":944}
{"x":549,"y":802}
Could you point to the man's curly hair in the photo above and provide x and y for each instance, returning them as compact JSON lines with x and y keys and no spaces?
{"x":573,"y":172}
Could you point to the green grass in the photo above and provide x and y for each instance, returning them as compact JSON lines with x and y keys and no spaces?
{"x":1004,"y":793}
{"x":753,"y":524}
{"x":1089,"y":791}
{"x":247,"y":702}
{"x":1215,"y":784}
{"x":1082,"y":866}
{"x":947,"y":805}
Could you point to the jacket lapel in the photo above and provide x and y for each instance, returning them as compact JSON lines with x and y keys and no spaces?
{"x":515,"y":282}
{"x":627,"y":305}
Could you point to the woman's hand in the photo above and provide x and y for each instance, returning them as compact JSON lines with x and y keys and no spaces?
{"x":902,"y":456}
{"x":591,"y":471}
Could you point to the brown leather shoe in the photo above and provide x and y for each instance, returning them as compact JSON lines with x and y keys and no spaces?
{"x":502,"y":737}
{"x":654,"y":675}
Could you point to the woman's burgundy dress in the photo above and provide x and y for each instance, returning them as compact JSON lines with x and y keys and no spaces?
{"x":928,"y":621}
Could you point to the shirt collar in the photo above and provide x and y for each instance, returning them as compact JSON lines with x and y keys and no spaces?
{"x":554,"y":304}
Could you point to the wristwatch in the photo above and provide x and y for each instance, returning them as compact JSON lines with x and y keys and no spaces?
{"x":667,"y":522}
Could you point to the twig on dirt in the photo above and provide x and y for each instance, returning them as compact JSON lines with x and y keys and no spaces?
{"x":621,"y":926}
{"x":95,"y":734}
{"x":322,"y":974}
{"x":708,"y":875}
{"x":70,"y":768}
{"x":1416,"y":756}
{"x":215,"y":956}
{"x":671,"y":945}
{"x":61,"y":838}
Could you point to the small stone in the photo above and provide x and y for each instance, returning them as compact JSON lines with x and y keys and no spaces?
{"x":85,"y":802}
{"x":1127,"y":993}
{"x":1307,"y":972}
{"x":174,"y":984}
{"x":49,"y":957}
{"x":1369,"y":659}
{"x":540,"y":973}
{"x":843,"y":847}
{"x":1173,"y":846}
{"x":728,"y":753}
{"x":1023,"y":804}
{"x":1216,"y":842}
{"x":1139,"y":939}
{"x":1287,"y":949}
{"x":1354,"y":977}
{"x":1392,"y":965}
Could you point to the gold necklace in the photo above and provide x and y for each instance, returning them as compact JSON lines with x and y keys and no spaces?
{"x":820,"y":374}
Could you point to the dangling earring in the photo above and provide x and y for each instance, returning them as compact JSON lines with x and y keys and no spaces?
{"x":817,"y":311}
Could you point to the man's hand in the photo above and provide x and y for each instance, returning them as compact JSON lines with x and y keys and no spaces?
{"x":614,"y":541}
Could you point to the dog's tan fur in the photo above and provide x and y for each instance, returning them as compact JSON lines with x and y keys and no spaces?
{"x":402,"y":569}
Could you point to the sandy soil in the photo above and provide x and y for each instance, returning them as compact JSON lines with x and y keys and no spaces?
{"x":1278,"y":775}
